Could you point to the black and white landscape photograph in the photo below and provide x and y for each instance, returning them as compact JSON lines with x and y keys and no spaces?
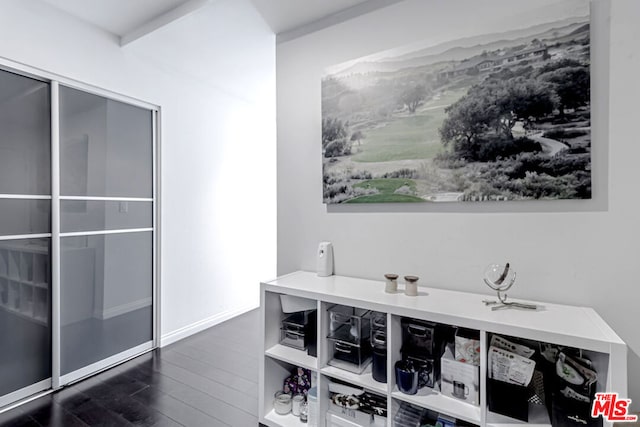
{"x":493,"y":117}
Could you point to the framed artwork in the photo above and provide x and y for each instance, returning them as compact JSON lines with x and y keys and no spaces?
{"x":493,"y":117}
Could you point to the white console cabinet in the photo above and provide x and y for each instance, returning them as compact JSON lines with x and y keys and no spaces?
{"x":578,"y":327}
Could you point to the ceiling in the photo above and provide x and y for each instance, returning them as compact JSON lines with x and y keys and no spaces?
{"x":286,"y":15}
{"x":121,"y":17}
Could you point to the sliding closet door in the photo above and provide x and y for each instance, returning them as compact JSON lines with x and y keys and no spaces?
{"x":25,"y":237}
{"x":106,"y":229}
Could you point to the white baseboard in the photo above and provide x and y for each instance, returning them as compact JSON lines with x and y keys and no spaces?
{"x":194,"y":328}
{"x":122,"y":309}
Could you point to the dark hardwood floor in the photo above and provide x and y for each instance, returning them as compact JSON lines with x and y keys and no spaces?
{"x":208,"y":379}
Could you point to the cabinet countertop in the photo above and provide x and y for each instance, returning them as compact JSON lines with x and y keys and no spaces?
{"x":562,"y":324}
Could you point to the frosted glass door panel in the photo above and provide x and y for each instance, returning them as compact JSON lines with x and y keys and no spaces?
{"x":21,"y":216}
{"x":106,"y":291}
{"x":25,"y":135}
{"x":82,"y":215}
{"x":105,"y":147}
{"x":25,"y":333}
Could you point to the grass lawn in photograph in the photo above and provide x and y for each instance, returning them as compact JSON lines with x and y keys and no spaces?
{"x":408,"y":136}
{"x":387,"y":198}
{"x":386,"y":187}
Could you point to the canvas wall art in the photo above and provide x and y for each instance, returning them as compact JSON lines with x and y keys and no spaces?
{"x":494,"y":117}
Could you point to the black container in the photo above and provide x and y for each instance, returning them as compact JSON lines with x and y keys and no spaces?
{"x":379,"y":364}
{"x":427,"y":367}
{"x":299,"y":330}
{"x":379,"y":345}
{"x":349,"y":324}
{"x":507,"y":399}
{"x":570,"y":412}
{"x":312,"y":334}
{"x":347,"y":352}
{"x":351,"y":357}
{"x":293,"y":338}
{"x":418,"y":336}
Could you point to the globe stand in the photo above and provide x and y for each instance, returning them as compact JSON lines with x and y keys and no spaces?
{"x":501,"y":285}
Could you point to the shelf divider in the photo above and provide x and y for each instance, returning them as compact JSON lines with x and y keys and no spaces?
{"x":293,"y":356}
{"x":364,"y":380}
{"x":440,"y":403}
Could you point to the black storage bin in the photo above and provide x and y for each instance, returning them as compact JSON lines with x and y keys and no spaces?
{"x":507,"y":399}
{"x":349,"y":323}
{"x":418,"y":336}
{"x":566,"y":411}
{"x":348,"y":356}
{"x":548,"y":370}
{"x":294,"y":331}
{"x":570,"y":412}
{"x":428,"y":369}
{"x":293,"y":338}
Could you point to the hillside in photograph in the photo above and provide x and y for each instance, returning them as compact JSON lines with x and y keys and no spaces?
{"x":501,"y":116}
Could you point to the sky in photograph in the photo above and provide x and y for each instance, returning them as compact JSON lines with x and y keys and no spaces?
{"x":457,"y":19}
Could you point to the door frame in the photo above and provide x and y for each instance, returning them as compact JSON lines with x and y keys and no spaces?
{"x":57,"y":381}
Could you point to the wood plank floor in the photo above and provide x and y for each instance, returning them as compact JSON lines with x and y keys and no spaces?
{"x":208,"y":379}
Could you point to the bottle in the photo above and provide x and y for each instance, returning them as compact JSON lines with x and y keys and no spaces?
{"x":312,"y":407}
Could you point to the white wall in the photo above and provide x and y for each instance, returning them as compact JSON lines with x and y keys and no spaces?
{"x":213,"y":75}
{"x":573,"y":252}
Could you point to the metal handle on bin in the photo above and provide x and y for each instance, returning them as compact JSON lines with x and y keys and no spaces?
{"x":342,"y":348}
{"x":379,"y":322}
{"x":418,"y":331}
{"x":292,"y":335}
{"x":379,"y":338}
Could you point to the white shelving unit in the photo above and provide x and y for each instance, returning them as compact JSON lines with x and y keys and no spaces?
{"x":579,"y":327}
{"x":24,"y":277}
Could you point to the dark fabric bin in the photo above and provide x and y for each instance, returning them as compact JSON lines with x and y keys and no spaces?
{"x":508,"y":399}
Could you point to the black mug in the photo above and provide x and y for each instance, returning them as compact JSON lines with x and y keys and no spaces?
{"x":406,"y":377}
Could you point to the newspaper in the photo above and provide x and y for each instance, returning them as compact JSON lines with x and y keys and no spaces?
{"x":521,"y":350}
{"x":510,"y":367}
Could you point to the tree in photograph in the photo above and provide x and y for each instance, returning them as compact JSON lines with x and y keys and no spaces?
{"x":333,"y":129}
{"x":334,"y":137}
{"x":492,"y":109}
{"x":466,"y":120}
{"x":561,"y":63}
{"x":529,"y":99}
{"x":519,"y":98}
{"x":357,"y":136}
{"x":413,"y":97}
{"x":340,"y":147}
{"x":572,"y":84}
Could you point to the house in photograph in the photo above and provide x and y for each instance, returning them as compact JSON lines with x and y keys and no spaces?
{"x":486,"y":63}
{"x":285,"y":213}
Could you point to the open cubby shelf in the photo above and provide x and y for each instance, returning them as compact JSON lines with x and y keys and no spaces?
{"x":24,"y":278}
{"x":570,"y":326}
